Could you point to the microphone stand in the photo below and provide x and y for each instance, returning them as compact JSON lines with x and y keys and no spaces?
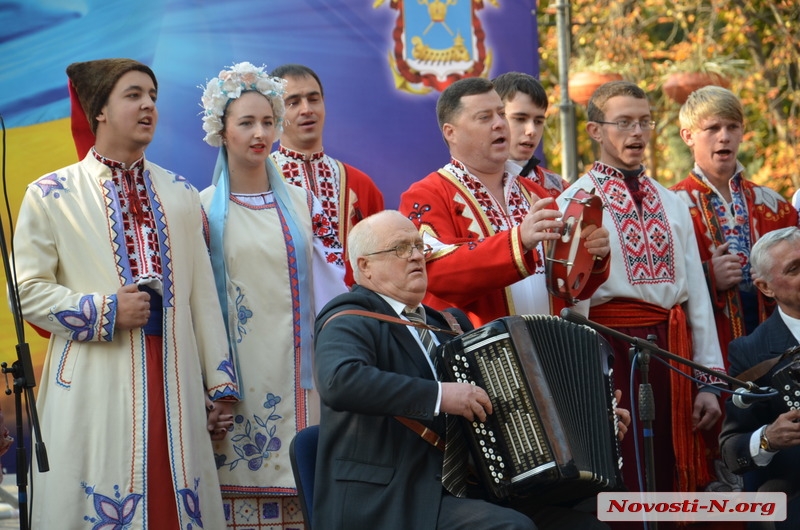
{"x":572,"y":316}
{"x":24,"y":379}
{"x":647,"y":413}
{"x":644,"y":349}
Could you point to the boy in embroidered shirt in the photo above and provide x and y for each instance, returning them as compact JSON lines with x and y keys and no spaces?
{"x":730,"y":213}
{"x":526,"y":106}
{"x":111,"y":263}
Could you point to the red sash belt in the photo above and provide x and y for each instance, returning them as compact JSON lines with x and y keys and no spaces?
{"x":689,"y":448}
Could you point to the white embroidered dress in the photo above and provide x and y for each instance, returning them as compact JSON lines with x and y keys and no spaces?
{"x":264,"y":320}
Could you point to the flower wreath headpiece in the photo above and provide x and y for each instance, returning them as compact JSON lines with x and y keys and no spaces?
{"x":229,"y":85}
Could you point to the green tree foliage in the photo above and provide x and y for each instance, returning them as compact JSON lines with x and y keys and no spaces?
{"x":754,"y":43}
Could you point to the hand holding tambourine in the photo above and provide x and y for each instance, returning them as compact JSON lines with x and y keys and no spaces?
{"x":582,"y":240}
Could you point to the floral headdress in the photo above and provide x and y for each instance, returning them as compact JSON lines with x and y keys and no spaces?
{"x":229,"y":85}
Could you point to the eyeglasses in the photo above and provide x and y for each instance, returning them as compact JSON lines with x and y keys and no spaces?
{"x":406,"y":250}
{"x":627,"y":125}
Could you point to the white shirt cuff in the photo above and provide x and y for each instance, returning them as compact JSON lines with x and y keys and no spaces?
{"x":760,"y":456}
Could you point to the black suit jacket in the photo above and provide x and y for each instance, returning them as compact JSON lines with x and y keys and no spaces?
{"x":372,"y":471}
{"x":768,"y":340}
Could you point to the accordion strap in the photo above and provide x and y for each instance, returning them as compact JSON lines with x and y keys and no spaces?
{"x":758,"y":371}
{"x":451,"y":320}
{"x":455,"y":327}
{"x":425,"y":433}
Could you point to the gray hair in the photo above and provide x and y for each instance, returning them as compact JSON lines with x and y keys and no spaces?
{"x":761,"y":259}
{"x":363,"y":239}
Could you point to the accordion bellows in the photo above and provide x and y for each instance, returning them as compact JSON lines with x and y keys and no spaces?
{"x":553,"y":432}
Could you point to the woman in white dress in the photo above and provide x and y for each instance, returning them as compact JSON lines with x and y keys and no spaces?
{"x":276,"y":262}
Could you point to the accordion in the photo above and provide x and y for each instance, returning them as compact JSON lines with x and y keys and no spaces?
{"x":786,"y":379}
{"x":553,"y":431}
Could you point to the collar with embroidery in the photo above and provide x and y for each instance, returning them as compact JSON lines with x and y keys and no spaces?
{"x":300,"y":156}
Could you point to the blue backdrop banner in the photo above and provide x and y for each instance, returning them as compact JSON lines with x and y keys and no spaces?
{"x":382,"y":64}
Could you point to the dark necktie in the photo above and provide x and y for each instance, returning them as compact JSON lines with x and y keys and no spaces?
{"x":454,"y":466}
{"x":529,"y":166}
{"x":424,"y":337}
{"x":632,"y":182}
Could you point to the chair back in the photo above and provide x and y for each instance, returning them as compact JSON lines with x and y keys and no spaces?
{"x":303,"y":455}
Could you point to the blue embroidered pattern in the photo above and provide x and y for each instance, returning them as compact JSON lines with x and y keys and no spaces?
{"x":163,"y":242}
{"x":51,"y":184}
{"x":243,"y":314}
{"x":81,"y":320}
{"x":227,"y":390}
{"x":179,"y":179}
{"x":735,"y":227}
{"x":191,"y":504}
{"x":253,"y":444}
{"x":226,"y":366}
{"x":118,"y":513}
{"x":111,"y":514}
{"x":117,"y":231}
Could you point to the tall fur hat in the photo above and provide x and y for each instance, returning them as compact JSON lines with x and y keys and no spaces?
{"x":93,"y":81}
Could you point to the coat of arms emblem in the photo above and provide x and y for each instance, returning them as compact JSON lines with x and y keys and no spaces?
{"x":437,"y":42}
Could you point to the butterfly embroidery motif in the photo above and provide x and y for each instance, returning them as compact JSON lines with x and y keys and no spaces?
{"x":51,"y":184}
{"x":81,"y":320}
{"x":112,"y":514}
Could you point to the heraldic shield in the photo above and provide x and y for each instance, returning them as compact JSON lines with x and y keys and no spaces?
{"x":437,"y":42}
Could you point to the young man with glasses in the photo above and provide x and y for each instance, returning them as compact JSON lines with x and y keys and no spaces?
{"x":655,"y":286}
{"x":485,"y":224}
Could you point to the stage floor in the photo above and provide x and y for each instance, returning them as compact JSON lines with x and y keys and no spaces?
{"x":8,"y":503}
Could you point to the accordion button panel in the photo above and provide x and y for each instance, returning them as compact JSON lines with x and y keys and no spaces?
{"x":487,"y":441}
{"x":544,"y":377}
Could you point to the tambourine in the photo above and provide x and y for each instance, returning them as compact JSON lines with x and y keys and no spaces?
{"x":568,"y":263}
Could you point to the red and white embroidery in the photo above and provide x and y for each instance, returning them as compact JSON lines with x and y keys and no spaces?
{"x":141,"y":238}
{"x":646,"y":240}
{"x":518,"y":206}
{"x":317,"y":173}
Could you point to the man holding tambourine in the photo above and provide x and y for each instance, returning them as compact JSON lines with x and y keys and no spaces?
{"x":487,"y":226}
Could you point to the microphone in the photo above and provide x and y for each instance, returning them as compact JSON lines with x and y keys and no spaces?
{"x":577,"y":318}
{"x":743,"y":397}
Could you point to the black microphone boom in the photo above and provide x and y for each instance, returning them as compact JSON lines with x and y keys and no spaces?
{"x":573,"y":316}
